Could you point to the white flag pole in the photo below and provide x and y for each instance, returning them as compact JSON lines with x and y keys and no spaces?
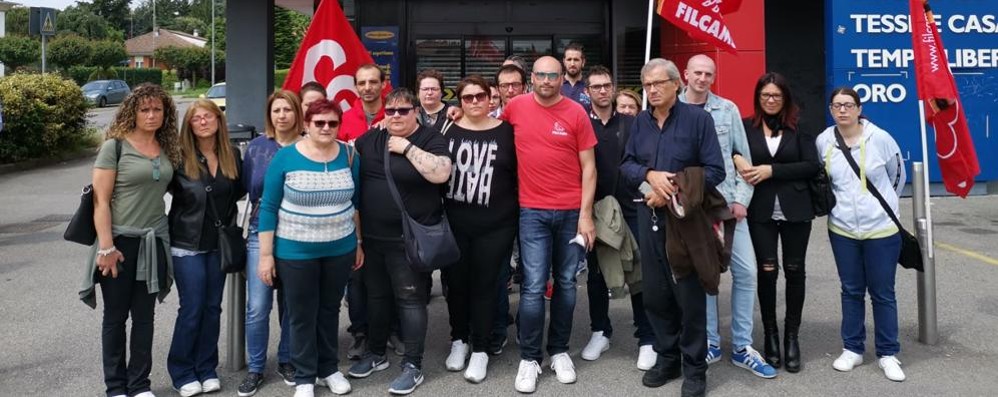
{"x":651,"y":11}
{"x":925,"y":175}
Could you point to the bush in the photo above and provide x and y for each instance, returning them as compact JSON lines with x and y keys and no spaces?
{"x":279,"y":76}
{"x":133,"y":77}
{"x":17,"y":51}
{"x":168,"y":79}
{"x":43,"y":115}
{"x":66,"y":51}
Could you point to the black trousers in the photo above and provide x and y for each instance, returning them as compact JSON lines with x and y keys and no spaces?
{"x":124,"y":296}
{"x":392,"y":287}
{"x":676,"y":309}
{"x":471,"y":282}
{"x":794,"y":237}
{"x":313,"y":290}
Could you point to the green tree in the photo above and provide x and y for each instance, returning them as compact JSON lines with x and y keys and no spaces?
{"x":17,"y":21}
{"x":166,"y":12}
{"x":81,"y":21}
{"x":115,"y":12}
{"x":289,"y":30}
{"x":17,"y":51}
{"x":69,"y":50}
{"x":108,"y":53}
{"x":189,"y":25}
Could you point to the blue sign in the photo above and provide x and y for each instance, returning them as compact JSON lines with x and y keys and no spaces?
{"x":869,"y":49}
{"x":383,"y":44}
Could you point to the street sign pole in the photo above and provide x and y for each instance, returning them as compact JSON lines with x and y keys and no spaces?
{"x":43,"y":53}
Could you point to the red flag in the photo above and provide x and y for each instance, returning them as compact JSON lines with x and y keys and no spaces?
{"x":329,"y":54}
{"x":702,"y":19}
{"x":954,"y":147}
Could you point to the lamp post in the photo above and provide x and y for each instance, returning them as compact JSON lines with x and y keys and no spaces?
{"x":213,"y":43}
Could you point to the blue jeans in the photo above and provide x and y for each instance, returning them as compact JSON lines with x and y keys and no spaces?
{"x":544,"y":244}
{"x":743,"y":285}
{"x":259,"y":301}
{"x":194,"y":350}
{"x":868,"y":265}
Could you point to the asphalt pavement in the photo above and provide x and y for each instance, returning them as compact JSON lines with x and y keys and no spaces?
{"x":51,"y":341}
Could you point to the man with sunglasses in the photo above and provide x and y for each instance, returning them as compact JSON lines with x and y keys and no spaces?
{"x":556,"y":170}
{"x":368,"y":109}
{"x":612,"y":131}
{"x":665,"y":139}
{"x":700,"y":74}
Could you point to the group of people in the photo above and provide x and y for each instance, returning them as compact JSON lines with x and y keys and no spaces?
{"x":564,"y":172}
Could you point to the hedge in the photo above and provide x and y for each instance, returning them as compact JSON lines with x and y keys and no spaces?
{"x":279,"y":76}
{"x":132,"y":76}
{"x":43,"y":115}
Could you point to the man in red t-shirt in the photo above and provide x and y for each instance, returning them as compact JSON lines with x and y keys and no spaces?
{"x":369,"y":108}
{"x":556,"y":168}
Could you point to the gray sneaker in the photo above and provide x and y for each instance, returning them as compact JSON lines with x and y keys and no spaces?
{"x":407,"y":381}
{"x":367,"y":365}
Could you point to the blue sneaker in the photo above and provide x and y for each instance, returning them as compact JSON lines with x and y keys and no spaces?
{"x":407,"y":381}
{"x":753,"y":361}
{"x":367,"y":365}
{"x":713,"y":354}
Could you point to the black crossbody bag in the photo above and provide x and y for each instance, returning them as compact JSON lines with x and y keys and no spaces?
{"x":911,"y":251}
{"x":81,"y":228}
{"x":231,"y":243}
{"x":427,"y":247}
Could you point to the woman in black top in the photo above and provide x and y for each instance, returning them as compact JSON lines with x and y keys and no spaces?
{"x":205,"y":189}
{"x":780,"y":209}
{"x":420,"y":165}
{"x":482,"y":207}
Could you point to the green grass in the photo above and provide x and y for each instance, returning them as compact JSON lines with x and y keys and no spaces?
{"x":193,"y":92}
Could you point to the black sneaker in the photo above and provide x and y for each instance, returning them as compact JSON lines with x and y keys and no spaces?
{"x":287,"y":372}
{"x":496,"y":346}
{"x":694,"y":387}
{"x":357,"y":347}
{"x":661,"y":374}
{"x":368,"y":365}
{"x":250,"y":384}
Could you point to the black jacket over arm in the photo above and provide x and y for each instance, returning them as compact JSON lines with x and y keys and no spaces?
{"x":795,"y":163}
{"x":189,"y":216}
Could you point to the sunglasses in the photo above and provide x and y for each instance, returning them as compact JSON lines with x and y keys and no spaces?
{"x":471,"y":98}
{"x":547,"y":75}
{"x":389,"y":112}
{"x":321,"y":124}
{"x":155,"y":169}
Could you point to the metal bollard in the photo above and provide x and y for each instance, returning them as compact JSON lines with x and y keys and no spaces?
{"x":236,"y":332}
{"x":928,"y":332}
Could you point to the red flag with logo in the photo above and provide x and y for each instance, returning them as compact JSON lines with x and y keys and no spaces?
{"x":329,"y":54}
{"x":702,"y":20}
{"x":936,"y":86}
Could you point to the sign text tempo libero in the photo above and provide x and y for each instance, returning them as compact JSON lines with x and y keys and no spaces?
{"x":901,"y":57}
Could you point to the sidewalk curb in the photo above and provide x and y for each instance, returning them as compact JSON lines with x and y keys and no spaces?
{"x":44,"y":162}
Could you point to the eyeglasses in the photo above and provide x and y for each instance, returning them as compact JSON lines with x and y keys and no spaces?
{"x":471,"y":98}
{"x":389,"y":112}
{"x":155,"y":169}
{"x":430,"y":89}
{"x":321,"y":124}
{"x":505,"y":86}
{"x":601,"y":87}
{"x":550,"y":76}
{"x":767,"y":96}
{"x":209,"y":118}
{"x":840,"y":105}
{"x":658,"y":85}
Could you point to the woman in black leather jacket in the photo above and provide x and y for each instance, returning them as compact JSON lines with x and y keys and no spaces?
{"x":205,"y":190}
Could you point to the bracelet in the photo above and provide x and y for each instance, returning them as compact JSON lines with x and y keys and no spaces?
{"x":359,"y":241}
{"x":107,"y":251}
{"x":407,"y":148}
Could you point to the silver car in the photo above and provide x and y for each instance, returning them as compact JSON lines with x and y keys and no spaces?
{"x":105,"y":92}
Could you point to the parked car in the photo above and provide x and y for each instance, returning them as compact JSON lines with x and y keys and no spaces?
{"x":105,"y":92}
{"x":217,"y":94}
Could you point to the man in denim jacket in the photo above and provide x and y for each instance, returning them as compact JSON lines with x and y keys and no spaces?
{"x":700,"y":74}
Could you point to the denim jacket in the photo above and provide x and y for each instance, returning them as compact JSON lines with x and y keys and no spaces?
{"x":731,"y":137}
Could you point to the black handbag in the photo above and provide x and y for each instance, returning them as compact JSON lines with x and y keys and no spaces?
{"x":231,"y":241}
{"x":911,"y":251}
{"x":81,"y":228}
{"x":822,"y":196}
{"x":427,"y":247}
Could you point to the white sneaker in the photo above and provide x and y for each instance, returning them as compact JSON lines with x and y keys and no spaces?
{"x":477,"y":367}
{"x":145,"y":394}
{"x":190,"y":389}
{"x":892,"y":368}
{"x":596,"y":346}
{"x":458,"y":354}
{"x":563,"y":367}
{"x":646,"y":357}
{"x":337,"y":383}
{"x":847,"y":361}
{"x":305,"y":391}
{"x":211,"y":385}
{"x":526,"y":376}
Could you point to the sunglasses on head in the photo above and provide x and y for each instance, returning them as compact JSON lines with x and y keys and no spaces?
{"x":389,"y":112}
{"x":320,"y":124}
{"x":470,"y":98}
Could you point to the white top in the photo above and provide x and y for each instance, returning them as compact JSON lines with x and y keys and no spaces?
{"x":773,"y":142}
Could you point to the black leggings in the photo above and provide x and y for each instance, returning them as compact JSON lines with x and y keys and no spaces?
{"x":471,"y":282}
{"x":794,"y":236}
{"x":122,"y":296}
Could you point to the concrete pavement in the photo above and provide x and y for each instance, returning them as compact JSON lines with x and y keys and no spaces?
{"x":51,"y":343}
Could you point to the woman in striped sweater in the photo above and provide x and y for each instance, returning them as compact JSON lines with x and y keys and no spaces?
{"x":310,"y":228}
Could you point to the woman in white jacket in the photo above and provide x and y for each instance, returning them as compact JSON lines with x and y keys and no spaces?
{"x":865,"y":242}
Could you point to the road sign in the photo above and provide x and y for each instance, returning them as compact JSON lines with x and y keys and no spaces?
{"x":42,"y":21}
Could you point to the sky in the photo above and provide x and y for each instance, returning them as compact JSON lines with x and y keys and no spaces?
{"x":57,"y":4}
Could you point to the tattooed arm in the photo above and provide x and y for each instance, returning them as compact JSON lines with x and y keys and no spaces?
{"x":436,"y":169}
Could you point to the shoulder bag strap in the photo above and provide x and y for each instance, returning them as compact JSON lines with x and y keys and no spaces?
{"x":391,"y":180}
{"x":869,"y":185}
{"x":447,"y":124}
